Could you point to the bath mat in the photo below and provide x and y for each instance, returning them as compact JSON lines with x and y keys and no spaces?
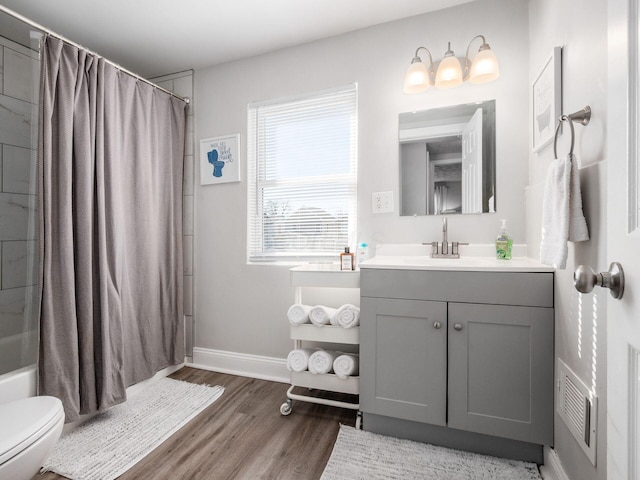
{"x":111,"y":443}
{"x":359,"y":455}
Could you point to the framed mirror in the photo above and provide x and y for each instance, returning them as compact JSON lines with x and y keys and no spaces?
{"x":448,"y":160}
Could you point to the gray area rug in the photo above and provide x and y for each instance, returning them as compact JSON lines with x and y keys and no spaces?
{"x":111,"y":443}
{"x":359,"y":455}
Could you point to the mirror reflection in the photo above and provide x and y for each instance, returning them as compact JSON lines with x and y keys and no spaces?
{"x":447,"y":160}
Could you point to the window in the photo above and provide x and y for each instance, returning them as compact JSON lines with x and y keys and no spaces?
{"x":302,"y":172}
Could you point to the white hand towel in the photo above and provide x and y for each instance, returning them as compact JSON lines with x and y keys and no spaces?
{"x":321,"y":361}
{"x":346,"y":365}
{"x":347,"y":316}
{"x":321,"y":315}
{"x":562,"y":216}
{"x":298,"y":359}
{"x":298,"y":314}
{"x":578,"y":231}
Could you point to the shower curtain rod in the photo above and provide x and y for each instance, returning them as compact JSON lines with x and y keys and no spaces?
{"x":66,"y":40}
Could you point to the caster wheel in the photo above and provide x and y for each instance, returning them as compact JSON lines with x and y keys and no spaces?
{"x":285,"y":408}
{"x":359,"y":421}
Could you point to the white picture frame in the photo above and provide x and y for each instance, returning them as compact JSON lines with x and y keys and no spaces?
{"x":220,"y":160}
{"x":547,"y":100}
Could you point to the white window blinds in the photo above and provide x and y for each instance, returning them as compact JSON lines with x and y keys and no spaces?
{"x":302,"y":172}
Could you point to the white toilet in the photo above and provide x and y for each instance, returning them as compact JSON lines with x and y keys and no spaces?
{"x":29,"y":430}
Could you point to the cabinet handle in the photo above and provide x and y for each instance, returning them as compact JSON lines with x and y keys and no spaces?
{"x":437,"y":325}
{"x":457,"y":326}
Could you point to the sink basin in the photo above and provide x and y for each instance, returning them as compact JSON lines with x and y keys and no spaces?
{"x":448,"y":262}
{"x":423,"y":262}
{"x":479,"y":257}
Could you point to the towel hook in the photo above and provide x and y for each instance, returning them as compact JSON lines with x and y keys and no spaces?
{"x":581,"y":116}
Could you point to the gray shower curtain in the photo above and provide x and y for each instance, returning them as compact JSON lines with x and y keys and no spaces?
{"x":110,"y":157}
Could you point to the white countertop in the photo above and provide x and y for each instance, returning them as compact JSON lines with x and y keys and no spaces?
{"x":477,"y":258}
{"x":464,"y":264}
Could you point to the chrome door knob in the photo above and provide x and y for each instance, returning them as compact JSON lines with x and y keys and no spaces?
{"x":437,"y":325}
{"x":457,"y":326}
{"x":584,"y":279}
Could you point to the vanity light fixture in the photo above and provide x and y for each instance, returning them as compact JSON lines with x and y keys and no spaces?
{"x":450,"y":73}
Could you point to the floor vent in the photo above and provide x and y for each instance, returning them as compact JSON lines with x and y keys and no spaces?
{"x":578,"y":409}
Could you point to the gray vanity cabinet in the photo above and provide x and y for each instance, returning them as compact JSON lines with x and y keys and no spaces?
{"x":500,"y":371}
{"x":470,"y":351}
{"x":408,"y":356}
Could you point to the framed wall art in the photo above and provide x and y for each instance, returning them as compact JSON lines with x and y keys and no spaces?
{"x":220,"y":160}
{"x":547,"y":100}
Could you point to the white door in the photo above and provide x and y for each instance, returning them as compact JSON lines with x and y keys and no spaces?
{"x":472,"y":164}
{"x":623,"y":245}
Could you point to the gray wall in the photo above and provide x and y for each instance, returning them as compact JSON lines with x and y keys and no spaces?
{"x":580,"y":26}
{"x":242,"y":308}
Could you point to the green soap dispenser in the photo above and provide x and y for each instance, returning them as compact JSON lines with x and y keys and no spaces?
{"x":504,"y":242}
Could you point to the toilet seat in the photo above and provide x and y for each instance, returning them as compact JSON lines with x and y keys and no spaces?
{"x":23,"y":422}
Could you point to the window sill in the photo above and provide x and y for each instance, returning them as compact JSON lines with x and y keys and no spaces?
{"x":289,"y":263}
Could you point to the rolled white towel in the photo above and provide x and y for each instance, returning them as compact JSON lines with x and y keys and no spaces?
{"x":298,"y":314}
{"x":321,"y":315}
{"x":298,"y":359}
{"x":347,"y":316}
{"x":346,"y":365}
{"x":321,"y":361}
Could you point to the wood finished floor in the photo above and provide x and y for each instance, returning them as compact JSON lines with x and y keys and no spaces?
{"x":243,"y":436}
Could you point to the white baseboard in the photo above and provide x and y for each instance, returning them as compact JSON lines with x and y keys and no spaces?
{"x":242,"y":364}
{"x":552,"y":468}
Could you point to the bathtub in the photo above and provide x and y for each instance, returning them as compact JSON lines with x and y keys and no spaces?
{"x":18,"y":384}
{"x":20,"y":381}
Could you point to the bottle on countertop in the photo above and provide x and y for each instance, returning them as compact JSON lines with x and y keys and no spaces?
{"x":346,"y":260}
{"x":504,"y":242}
{"x":362,"y":253}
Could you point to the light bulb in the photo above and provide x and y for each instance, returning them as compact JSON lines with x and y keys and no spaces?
{"x":484,"y":67}
{"x":416,"y":80}
{"x":449,"y":73}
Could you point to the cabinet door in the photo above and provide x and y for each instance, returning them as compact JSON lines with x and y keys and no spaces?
{"x":501,"y":371}
{"x":403,"y":354}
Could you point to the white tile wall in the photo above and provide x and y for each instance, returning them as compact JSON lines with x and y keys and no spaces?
{"x":188,"y":136}
{"x":15,"y":210}
{"x":188,"y":334}
{"x":167,"y":84}
{"x":12,"y":304}
{"x":18,"y":257}
{"x":18,"y":221}
{"x":188,"y":295}
{"x":182,"y":84}
{"x":18,"y":170}
{"x":15,"y":121}
{"x":1,"y":68}
{"x":187,"y":188}
{"x":18,"y":75}
{"x":187,"y":226}
{"x":187,"y":246}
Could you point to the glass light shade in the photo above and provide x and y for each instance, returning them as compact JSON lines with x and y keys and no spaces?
{"x":484,"y":67}
{"x":449,"y":73}
{"x":416,"y":79}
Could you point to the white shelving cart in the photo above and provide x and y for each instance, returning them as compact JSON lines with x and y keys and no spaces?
{"x":322,"y":275}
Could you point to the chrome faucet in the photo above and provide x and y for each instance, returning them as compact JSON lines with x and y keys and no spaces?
{"x":445,"y":244}
{"x":442,"y":250}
